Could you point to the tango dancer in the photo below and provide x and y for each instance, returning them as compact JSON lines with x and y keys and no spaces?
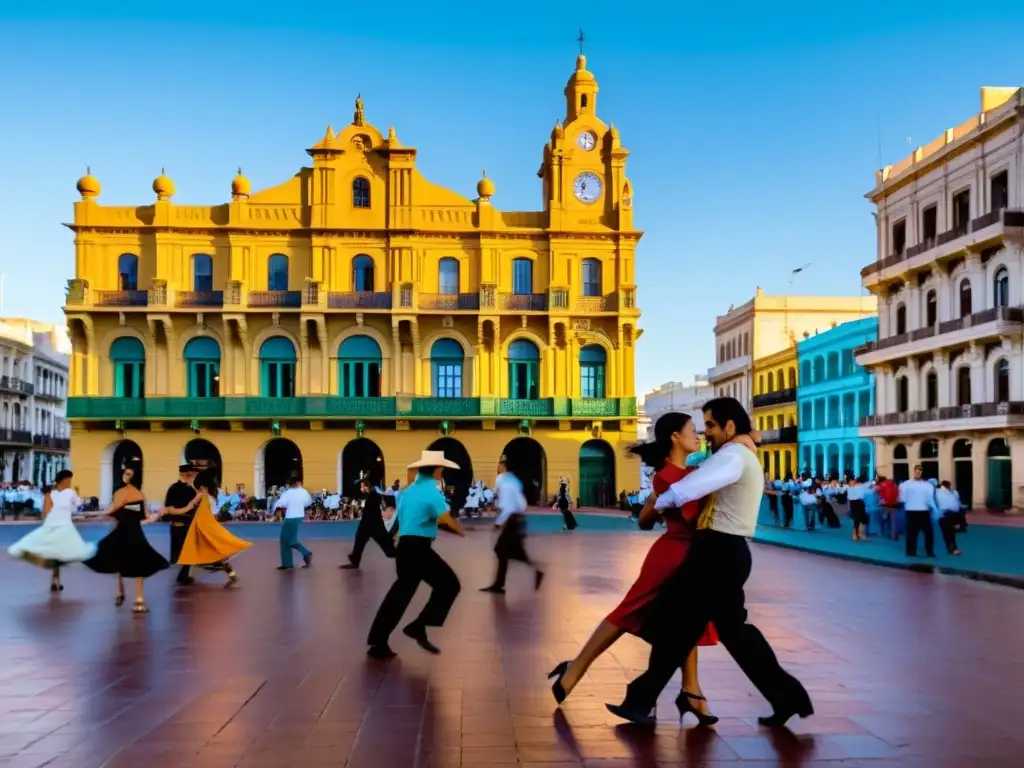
{"x":563,"y":501}
{"x":208,"y":543}
{"x":709,"y":585}
{"x":295,"y":500}
{"x":421,"y":508}
{"x":125,"y":551}
{"x":511,"y":544}
{"x":371,"y":526}
{"x":675,"y":441}
{"x":179,"y":510}
{"x":56,"y":542}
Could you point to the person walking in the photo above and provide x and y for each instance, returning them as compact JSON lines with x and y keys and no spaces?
{"x":295,"y":500}
{"x":950,"y":509}
{"x":918,"y":498}
{"x":421,"y":508}
{"x":371,"y":526}
{"x":511,"y":544}
{"x":855,"y":493}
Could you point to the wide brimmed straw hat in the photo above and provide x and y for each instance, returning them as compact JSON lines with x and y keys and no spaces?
{"x":433,"y":459}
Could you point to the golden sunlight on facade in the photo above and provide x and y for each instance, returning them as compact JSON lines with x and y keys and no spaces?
{"x":357,"y":314}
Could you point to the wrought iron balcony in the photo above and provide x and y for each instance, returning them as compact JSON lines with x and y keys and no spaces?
{"x":200,"y":299}
{"x":359,"y":300}
{"x":782,"y":435}
{"x":946,"y":413}
{"x":16,"y":386}
{"x":780,"y":397}
{"x":526,"y":302}
{"x":121,"y":298}
{"x":282,"y":299}
{"x":1005,"y":314}
{"x":454,"y":302}
{"x":16,"y":436}
{"x":47,"y":442}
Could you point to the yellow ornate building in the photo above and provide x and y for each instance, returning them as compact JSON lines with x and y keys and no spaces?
{"x":357,"y":314}
{"x":775,"y":411}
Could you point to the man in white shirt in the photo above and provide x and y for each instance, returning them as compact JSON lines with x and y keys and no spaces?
{"x":950,"y":507}
{"x":918,"y":498}
{"x":709,"y":585}
{"x":294,"y":501}
{"x":511,"y":503}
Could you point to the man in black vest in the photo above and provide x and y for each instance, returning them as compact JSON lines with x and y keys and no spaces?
{"x":181,"y":501}
{"x":371,"y":525}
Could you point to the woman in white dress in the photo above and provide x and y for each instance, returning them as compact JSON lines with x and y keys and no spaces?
{"x":56,"y":542}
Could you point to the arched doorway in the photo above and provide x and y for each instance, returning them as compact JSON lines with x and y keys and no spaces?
{"x":358,"y":456}
{"x":900,"y":464}
{"x":1000,"y":471}
{"x":930,"y":459}
{"x":456,"y":481}
{"x":202,"y":454}
{"x":275,"y":463}
{"x":597,"y":474}
{"x":525,"y":458}
{"x":963,"y":471}
{"x":115,"y":458}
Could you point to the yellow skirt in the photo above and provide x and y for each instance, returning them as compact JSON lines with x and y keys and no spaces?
{"x":208,"y":541}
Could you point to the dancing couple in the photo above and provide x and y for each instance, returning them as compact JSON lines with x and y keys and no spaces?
{"x":708,"y":587}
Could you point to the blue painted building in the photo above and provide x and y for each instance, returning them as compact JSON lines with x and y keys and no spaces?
{"x":834,"y":393}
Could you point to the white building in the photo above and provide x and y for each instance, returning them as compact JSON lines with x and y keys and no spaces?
{"x":34,"y":434}
{"x":679,"y":397}
{"x":949,"y":275}
{"x":643,"y":421}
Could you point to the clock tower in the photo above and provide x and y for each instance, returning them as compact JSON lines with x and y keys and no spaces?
{"x":584,"y":170}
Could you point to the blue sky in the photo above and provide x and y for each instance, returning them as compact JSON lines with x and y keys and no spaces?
{"x":754,"y":128}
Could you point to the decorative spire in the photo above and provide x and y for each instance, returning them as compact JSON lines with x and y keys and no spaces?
{"x":359,"y":118}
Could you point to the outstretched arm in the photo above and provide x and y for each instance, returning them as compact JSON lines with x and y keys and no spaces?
{"x":722,"y":469}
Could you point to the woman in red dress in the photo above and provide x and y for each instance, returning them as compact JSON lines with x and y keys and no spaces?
{"x":675,"y":438}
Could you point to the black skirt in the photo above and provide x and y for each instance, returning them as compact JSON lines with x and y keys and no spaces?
{"x":125,"y":550}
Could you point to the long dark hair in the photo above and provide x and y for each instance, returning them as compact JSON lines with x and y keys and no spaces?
{"x":655,"y":453}
{"x":207,"y":479}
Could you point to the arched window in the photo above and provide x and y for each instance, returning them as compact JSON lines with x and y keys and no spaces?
{"x":592,"y":366}
{"x":746,"y":343}
{"x":931,"y":309}
{"x":963,"y":385}
{"x":448,"y":276}
{"x":771,"y":382}
{"x":833,"y":366}
{"x":446,"y":360}
{"x":202,"y":273}
{"x":792,"y":378}
{"x":760,"y":384}
{"x":592,"y":278}
{"x":360,"y":193}
{"x":129,"y":359}
{"x":128,"y":272}
{"x":900,"y":464}
{"x":805,"y":372}
{"x":901,"y":319}
{"x":277,"y":272}
{"x":721,"y":353}
{"x":819,"y":369}
{"x":523,"y":370}
{"x":902,"y":394}
{"x":965,"y":298}
{"x":202,"y":364}
{"x":931,"y":387}
{"x":277,"y":367}
{"x":359,"y":366}
{"x":522,"y":277}
{"x":806,"y":421}
{"x":362,"y":273}
{"x":1001,"y":375}
{"x":1001,"y":288}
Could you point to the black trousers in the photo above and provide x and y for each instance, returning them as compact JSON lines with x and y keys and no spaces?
{"x":709,"y":588}
{"x":567,"y":518}
{"x":773,"y":506}
{"x":511,"y":545}
{"x":416,"y":561}
{"x":371,"y":528}
{"x":948,"y":524}
{"x":178,"y":535}
{"x":920,"y":521}
{"x":787,"y":510}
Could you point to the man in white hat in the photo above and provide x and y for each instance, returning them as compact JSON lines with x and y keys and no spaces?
{"x":419,"y":507}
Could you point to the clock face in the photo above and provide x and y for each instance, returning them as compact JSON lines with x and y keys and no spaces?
{"x":586,"y":141}
{"x":587,"y":187}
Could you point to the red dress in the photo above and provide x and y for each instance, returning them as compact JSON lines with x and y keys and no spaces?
{"x":662,"y":561}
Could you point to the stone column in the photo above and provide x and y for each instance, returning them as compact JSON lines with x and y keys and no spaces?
{"x":942,"y":372}
{"x":975,"y":358}
{"x":913,"y":385}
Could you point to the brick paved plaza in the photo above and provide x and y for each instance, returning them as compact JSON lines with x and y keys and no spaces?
{"x":905,"y":669}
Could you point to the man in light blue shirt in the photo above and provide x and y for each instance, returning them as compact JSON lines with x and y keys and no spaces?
{"x":950,"y":507}
{"x":918,"y":498}
{"x":419,"y":507}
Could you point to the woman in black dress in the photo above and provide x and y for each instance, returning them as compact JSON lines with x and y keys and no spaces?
{"x":125,"y":550}
{"x":563,"y":502}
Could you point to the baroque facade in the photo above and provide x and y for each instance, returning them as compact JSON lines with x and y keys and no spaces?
{"x":357,"y":314}
{"x":949,"y":274}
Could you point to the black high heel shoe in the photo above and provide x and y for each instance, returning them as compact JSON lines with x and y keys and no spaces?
{"x":556,"y":689}
{"x":684,"y":703}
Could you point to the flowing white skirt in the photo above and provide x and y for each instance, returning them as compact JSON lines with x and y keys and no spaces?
{"x":50,"y":545}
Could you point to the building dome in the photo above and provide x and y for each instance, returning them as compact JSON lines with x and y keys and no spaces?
{"x":88,"y":186}
{"x":582,"y":74}
{"x":240,"y":186}
{"x":485,"y":188}
{"x":163,"y":186}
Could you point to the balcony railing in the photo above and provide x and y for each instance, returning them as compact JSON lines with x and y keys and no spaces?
{"x":51,"y":443}
{"x":451,"y":302}
{"x":200,"y":299}
{"x":775,"y":398}
{"x":359,"y":300}
{"x":282,"y":299}
{"x":946,"y":413}
{"x":1006,"y":314}
{"x":16,"y":436}
{"x":607,"y":303}
{"x":781,"y":435}
{"x":986,"y":221}
{"x":16,"y":385}
{"x":98,"y":408}
{"x":952,"y":234}
{"x":121,"y":298}
{"x":526,"y":302}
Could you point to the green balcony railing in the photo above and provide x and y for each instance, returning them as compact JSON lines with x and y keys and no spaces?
{"x":316,"y":407}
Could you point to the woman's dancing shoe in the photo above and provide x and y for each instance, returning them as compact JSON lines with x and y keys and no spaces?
{"x":684,"y":703}
{"x":557,"y":690}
